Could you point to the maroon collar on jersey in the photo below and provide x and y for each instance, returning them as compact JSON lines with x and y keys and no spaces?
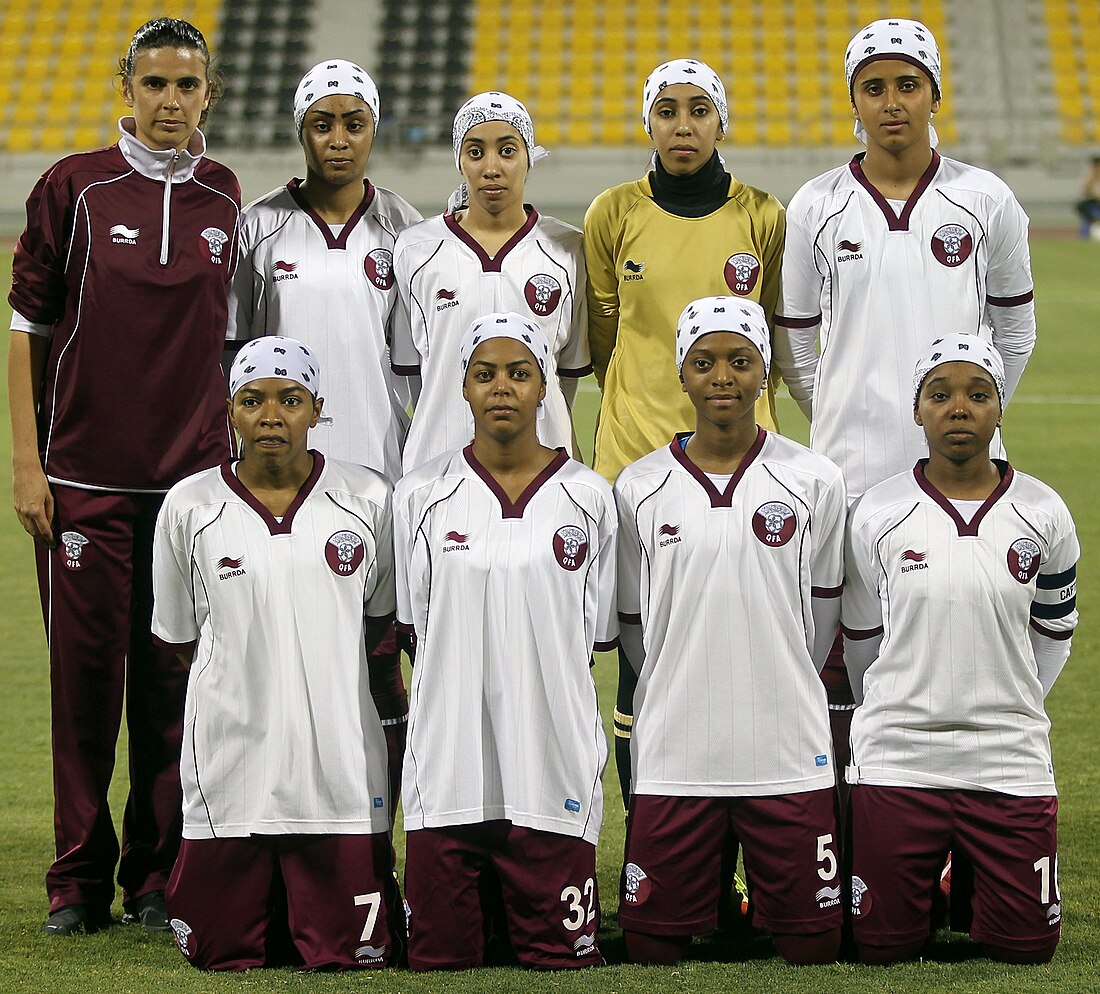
{"x":894,"y":222}
{"x":965,"y":529}
{"x":294,"y":188}
{"x":275,"y":527}
{"x":492,"y":265}
{"x":507,"y":508}
{"x":723,"y":498}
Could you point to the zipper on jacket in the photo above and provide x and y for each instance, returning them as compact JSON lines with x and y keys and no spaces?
{"x":165,"y":212}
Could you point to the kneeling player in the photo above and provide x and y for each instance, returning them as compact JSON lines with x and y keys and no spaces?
{"x":264,"y":571}
{"x":730,"y":570}
{"x":505,"y":570}
{"x":958,"y":609}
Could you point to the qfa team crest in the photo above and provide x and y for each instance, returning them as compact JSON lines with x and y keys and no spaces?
{"x":215,"y":239}
{"x":774,"y":523}
{"x":378,"y":266}
{"x":1024,"y":556}
{"x":570,"y":547}
{"x":344,"y":552}
{"x":543,"y":294}
{"x":742,"y":273}
{"x":952,"y":245}
{"x":75,"y":545}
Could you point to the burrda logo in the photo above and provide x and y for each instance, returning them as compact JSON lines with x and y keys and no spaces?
{"x":455,"y":541}
{"x":633,"y":271}
{"x":121,"y":235}
{"x":848,"y":251}
{"x":229,"y":567}
{"x":447,"y":298}
{"x":670,"y":533}
{"x":911,"y":560}
{"x":283,"y":270}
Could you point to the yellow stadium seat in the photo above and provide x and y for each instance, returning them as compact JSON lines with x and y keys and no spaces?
{"x":53,"y":140}
{"x":20,"y":139}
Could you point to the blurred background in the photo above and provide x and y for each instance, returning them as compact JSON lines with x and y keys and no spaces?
{"x":1021,"y":85}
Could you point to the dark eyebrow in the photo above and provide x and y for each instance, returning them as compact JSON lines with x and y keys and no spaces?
{"x":493,"y":365}
{"x":332,"y":117}
{"x":694,"y":98}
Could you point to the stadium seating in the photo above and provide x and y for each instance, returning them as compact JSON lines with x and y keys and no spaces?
{"x":1073,"y":35}
{"x":59,"y":57}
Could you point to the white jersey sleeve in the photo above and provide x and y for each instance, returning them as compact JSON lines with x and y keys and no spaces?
{"x":174,"y":618}
{"x":381,"y":595}
{"x":1009,"y":289}
{"x":574,"y":359}
{"x":630,"y":552}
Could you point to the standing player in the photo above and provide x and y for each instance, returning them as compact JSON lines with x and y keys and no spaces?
{"x":263,"y":569}
{"x":883,"y":250}
{"x":317,"y":261}
{"x":959,"y":606}
{"x":731,"y":729}
{"x":505,"y":571}
{"x":493,"y":252}
{"x":116,"y":393}
{"x":685,"y":230}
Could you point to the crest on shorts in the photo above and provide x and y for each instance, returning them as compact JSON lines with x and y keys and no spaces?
{"x":1024,"y":556}
{"x":183,"y":935}
{"x":861,"y":898}
{"x":543,"y":294}
{"x":378,"y":265}
{"x":636,"y":885}
{"x":952,"y":245}
{"x":774,"y":523}
{"x":570,"y":547}
{"x":215,"y":240}
{"x":344,"y":551}
{"x":75,"y":545}
{"x":742,"y":272}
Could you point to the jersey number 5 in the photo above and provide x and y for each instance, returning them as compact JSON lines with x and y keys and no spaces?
{"x":826,"y":856}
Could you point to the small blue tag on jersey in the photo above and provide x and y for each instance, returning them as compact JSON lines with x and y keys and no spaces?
{"x":571,"y":805}
{"x":821,"y":760}
{"x":378,"y":802}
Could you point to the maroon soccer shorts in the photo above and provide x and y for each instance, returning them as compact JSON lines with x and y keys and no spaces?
{"x":674,"y":851}
{"x":900,"y":837}
{"x":548,"y":883}
{"x":342,"y":904}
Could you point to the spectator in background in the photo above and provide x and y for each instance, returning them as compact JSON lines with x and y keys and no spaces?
{"x":1089,"y":206}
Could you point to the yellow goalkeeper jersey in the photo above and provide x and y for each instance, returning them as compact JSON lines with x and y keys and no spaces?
{"x":645,"y":266}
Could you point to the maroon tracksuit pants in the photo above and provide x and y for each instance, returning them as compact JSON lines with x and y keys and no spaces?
{"x":97,"y":599}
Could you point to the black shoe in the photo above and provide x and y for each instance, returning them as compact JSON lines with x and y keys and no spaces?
{"x":149,"y":911}
{"x":75,"y":919}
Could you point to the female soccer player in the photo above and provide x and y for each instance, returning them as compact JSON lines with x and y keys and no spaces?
{"x":264,"y":570}
{"x":506,"y":569}
{"x":731,"y":729}
{"x":317,"y":262}
{"x":958,"y":606}
{"x":879,"y":253}
{"x":116,"y":393}
{"x":492,"y":252}
{"x":685,"y":230}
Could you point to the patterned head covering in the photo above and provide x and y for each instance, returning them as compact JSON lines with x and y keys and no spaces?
{"x":272,"y":356}
{"x":505,"y":324}
{"x":685,"y":71}
{"x":495,"y":106}
{"x":710,"y":314}
{"x":327,"y":78}
{"x":896,"y":38}
{"x":960,"y":348}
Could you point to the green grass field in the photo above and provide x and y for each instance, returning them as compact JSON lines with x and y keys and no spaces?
{"x":1051,"y":431}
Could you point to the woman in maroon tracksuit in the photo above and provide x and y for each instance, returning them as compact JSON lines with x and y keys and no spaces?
{"x":119,"y":314}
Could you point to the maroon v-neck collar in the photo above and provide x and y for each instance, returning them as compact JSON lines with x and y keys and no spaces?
{"x":294,"y":187}
{"x":273,"y":526}
{"x":718,"y":498}
{"x":964,"y":528}
{"x":492,"y":265}
{"x":894,"y":222}
{"x":507,"y":508}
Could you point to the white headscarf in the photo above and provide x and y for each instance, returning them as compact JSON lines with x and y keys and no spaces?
{"x":960,"y":348}
{"x":710,"y":314}
{"x":505,"y":324}
{"x":896,"y":38}
{"x":273,"y":356}
{"x":490,"y":106}
{"x":685,"y":71}
{"x":327,"y":78}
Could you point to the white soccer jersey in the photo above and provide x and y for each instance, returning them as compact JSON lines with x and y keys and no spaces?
{"x":953,"y":699}
{"x":445,"y":282}
{"x":881,"y":286}
{"x":281,"y":735}
{"x":507,"y":602}
{"x":729,"y":701}
{"x":335,"y":292}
